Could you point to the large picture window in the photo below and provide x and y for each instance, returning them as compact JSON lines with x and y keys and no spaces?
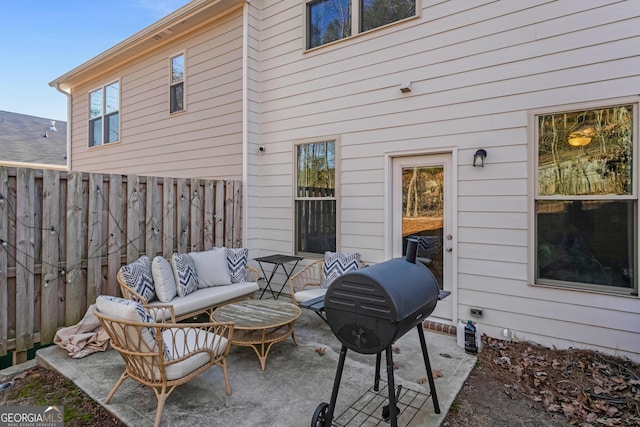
{"x":104,"y":115}
{"x":315,"y":199}
{"x":586,"y":202}
{"x":331,"y":20}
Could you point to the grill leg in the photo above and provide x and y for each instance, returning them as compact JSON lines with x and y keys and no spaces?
{"x":336,"y":386}
{"x":393,"y":410}
{"x":427,"y":365}
{"x":376,"y":382}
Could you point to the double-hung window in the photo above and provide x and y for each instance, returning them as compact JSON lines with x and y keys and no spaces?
{"x":315,"y":197}
{"x":586,"y":202}
{"x":176,"y":86}
{"x":331,"y":20}
{"x":104,"y":115}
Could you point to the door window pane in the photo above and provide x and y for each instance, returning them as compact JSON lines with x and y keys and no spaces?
{"x":423,"y":215}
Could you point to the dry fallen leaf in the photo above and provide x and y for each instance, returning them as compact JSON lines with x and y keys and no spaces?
{"x":395,"y":349}
{"x":421,"y":380}
{"x":448,"y":356}
{"x":437,"y":373}
{"x":321,"y":351}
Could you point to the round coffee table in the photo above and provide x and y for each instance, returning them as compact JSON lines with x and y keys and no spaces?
{"x":259,"y":324}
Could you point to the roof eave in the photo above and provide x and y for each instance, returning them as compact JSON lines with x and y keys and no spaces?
{"x":151,"y":37}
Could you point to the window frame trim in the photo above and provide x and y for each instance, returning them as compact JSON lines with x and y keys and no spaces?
{"x":532,"y":187}
{"x":356,"y":25}
{"x":294,"y":198}
{"x":104,"y":114}
{"x":184,"y":83}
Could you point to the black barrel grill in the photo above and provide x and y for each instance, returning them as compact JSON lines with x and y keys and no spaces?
{"x":371,"y":308}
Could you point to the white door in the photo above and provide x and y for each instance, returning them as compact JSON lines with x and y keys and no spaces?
{"x":421,"y":207}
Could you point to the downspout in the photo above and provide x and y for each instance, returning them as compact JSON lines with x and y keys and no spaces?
{"x":245,"y":120}
{"x":68,"y":95}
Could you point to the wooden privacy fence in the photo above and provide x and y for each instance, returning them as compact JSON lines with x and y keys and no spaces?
{"x":64,"y":236}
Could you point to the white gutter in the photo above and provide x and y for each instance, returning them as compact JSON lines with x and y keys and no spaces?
{"x":68,"y":95}
{"x":245,"y":119}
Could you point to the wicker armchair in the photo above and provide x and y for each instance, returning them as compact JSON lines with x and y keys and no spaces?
{"x":162,"y":355}
{"x":306,"y":284}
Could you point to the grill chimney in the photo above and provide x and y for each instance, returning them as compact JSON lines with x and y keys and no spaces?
{"x":412,"y":250}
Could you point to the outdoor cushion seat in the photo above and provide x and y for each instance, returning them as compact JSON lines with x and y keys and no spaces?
{"x":165,"y":354}
{"x":208,"y":297}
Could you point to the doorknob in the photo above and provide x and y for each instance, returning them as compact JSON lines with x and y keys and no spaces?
{"x":449,"y":237}
{"x":449,"y":249}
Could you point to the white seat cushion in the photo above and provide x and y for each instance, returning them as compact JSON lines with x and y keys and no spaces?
{"x":309,"y":293}
{"x":207,"y":297}
{"x":195,"y":339}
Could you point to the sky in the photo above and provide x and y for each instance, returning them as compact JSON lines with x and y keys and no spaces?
{"x":42,"y":40}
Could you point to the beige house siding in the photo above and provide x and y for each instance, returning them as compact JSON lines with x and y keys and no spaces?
{"x":477,"y":70}
{"x":205,"y":141}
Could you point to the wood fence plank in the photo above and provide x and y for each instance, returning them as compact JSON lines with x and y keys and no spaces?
{"x":96,"y":242}
{"x":197,"y":218}
{"x":168,"y":217}
{"x":219,"y":213}
{"x":74,"y":309}
{"x":183,"y":209}
{"x":25,"y":263}
{"x":152,"y":220}
{"x":116,"y":233}
{"x":4,"y":242}
{"x":50,"y":273}
{"x":209,"y":214}
{"x":135,"y":206}
{"x":236,"y":219}
{"x":230,"y":206}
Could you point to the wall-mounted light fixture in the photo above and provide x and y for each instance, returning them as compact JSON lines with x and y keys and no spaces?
{"x":405,"y":87}
{"x":478,"y":157}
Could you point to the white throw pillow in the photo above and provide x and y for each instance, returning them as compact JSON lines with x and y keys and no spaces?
{"x":163,"y":279}
{"x":211,"y":267}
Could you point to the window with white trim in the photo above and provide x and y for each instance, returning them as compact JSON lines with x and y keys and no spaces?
{"x":315,"y":198}
{"x":586,"y":199}
{"x":104,"y":115}
{"x":176,"y":87}
{"x":331,"y":20}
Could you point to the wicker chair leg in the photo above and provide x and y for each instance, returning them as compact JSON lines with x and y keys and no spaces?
{"x":123,"y":377}
{"x":162,"y":397}
{"x":223,"y":364}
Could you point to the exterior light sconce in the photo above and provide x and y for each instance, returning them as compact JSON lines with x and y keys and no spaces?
{"x":405,"y":87}
{"x":478,"y":157}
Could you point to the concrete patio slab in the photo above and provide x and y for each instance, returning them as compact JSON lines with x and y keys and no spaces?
{"x":296,"y":380}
